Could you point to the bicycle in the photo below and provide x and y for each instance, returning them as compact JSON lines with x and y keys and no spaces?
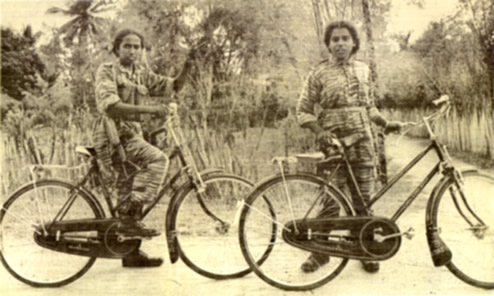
{"x":53,"y":231}
{"x":459,"y":221}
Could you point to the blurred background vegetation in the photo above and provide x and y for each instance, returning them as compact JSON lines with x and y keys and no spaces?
{"x":250,"y":59}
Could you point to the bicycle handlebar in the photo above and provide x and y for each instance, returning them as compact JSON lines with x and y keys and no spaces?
{"x":441,"y":100}
{"x":172,"y":114}
{"x":445,"y":104}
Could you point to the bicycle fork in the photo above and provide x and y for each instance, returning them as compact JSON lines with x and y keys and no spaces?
{"x":440,"y":252}
{"x":459,"y":197}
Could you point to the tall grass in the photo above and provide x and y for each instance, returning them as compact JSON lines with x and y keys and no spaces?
{"x":40,"y":154}
{"x":245,"y":152}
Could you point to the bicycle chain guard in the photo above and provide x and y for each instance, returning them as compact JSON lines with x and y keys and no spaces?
{"x":347,"y":237}
{"x":86,"y":237}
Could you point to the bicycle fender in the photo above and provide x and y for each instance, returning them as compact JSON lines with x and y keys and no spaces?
{"x":67,"y":182}
{"x":173,"y":200}
{"x":434,"y":195}
{"x":440,"y":253}
{"x":210,"y":171}
{"x":171,"y":238}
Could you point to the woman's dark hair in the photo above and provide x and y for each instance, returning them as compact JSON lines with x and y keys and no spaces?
{"x":338,"y":25}
{"x":121,"y":35}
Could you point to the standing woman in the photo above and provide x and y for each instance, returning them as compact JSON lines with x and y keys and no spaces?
{"x":122,"y":86}
{"x":340,"y":86}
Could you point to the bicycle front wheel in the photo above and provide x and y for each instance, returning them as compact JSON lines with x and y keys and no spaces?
{"x":30,"y":210}
{"x":206,"y":226}
{"x":291,"y":198}
{"x":464,"y":216}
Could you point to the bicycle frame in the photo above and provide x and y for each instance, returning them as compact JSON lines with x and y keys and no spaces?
{"x":187,"y":168}
{"x":444,"y":166}
{"x":440,"y":166}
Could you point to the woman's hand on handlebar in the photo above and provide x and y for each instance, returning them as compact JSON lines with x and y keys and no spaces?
{"x":397,"y":126}
{"x":328,"y":143}
{"x":325,"y":138}
{"x":393,"y":126}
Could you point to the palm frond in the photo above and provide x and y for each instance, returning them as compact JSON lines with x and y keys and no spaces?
{"x":93,"y":28}
{"x":69,"y":25}
{"x":102,"y":6}
{"x":105,"y":9}
{"x":56,"y":10}
{"x":81,"y":6}
{"x":70,"y":35}
{"x":99,"y":22}
{"x":95,"y":7}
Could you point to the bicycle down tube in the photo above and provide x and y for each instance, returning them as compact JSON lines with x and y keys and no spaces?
{"x":436,"y":169}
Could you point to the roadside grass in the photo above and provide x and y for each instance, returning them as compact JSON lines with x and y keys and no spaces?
{"x":245,"y":152}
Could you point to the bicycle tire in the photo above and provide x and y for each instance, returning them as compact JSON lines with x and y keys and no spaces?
{"x":279,"y":268}
{"x":473,"y":251}
{"x":35,"y":266}
{"x":203,"y":245}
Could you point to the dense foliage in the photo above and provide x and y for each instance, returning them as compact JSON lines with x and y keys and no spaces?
{"x":21,"y":64}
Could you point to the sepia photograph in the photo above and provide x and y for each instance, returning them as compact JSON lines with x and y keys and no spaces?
{"x":247,"y":147}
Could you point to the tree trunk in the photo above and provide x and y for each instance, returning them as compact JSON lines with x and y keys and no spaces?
{"x":317,"y":19}
{"x":378,"y":133}
{"x":370,"y":46}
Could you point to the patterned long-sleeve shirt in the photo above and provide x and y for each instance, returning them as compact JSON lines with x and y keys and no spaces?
{"x":114,"y":84}
{"x":342,"y":91}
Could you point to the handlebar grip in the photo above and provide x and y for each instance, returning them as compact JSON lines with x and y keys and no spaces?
{"x":442,"y":99}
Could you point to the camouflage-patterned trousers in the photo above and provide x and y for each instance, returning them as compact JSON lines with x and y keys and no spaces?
{"x":365,"y":177}
{"x":353,"y":124}
{"x":153,"y":165}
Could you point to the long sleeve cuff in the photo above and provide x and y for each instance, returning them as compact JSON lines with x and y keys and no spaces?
{"x":377,"y":117}
{"x":304,"y":118}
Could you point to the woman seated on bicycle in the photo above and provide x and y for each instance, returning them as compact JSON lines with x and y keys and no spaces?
{"x":340,"y":86}
{"x":122,"y":86}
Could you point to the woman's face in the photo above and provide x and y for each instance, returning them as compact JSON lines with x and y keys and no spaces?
{"x":130,"y":50}
{"x":341,"y":44}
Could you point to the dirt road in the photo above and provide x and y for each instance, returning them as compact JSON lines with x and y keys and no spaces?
{"x":410,"y":272}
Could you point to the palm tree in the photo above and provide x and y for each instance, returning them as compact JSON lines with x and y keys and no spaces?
{"x":84,"y":24}
{"x":84,"y":27}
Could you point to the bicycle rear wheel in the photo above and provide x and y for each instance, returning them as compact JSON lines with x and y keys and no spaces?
{"x":206,"y":245}
{"x":29,"y":210}
{"x":291,"y":197}
{"x":464,"y":215}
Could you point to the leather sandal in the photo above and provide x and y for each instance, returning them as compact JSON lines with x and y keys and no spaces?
{"x":314,"y":261}
{"x":370,"y":266}
{"x":140,"y":259}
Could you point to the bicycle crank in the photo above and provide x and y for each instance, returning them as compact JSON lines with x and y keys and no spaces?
{"x":409,"y":234}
